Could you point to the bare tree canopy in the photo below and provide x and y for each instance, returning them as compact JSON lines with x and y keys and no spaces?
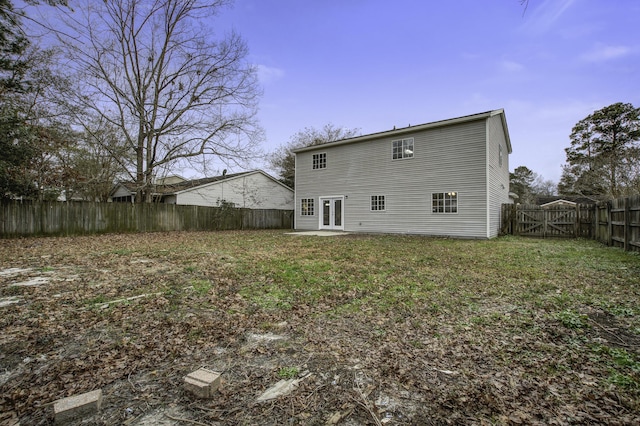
{"x":283,"y":159}
{"x":152,"y":70}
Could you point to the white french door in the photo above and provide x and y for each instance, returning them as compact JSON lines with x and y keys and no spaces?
{"x":332,"y":213}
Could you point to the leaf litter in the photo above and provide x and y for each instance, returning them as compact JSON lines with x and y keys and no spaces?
{"x":429,"y":338}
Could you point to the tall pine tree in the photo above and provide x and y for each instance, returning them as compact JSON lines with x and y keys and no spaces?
{"x":604,"y":153}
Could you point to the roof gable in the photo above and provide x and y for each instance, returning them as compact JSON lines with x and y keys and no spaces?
{"x":189,"y":185}
{"x":225,"y":178}
{"x":555,"y":199}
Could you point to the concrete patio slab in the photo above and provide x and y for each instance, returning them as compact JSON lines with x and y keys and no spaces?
{"x":318,"y":233}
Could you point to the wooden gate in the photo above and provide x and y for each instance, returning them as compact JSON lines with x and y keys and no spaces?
{"x":557,"y":222}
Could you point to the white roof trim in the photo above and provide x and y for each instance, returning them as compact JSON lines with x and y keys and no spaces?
{"x":557,"y":202}
{"x":243,"y":175}
{"x":417,"y":128}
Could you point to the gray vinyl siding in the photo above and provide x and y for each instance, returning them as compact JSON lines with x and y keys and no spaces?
{"x":447,"y":158}
{"x":498,"y":176}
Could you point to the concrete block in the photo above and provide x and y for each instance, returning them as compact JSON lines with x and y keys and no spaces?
{"x":73,"y":407}
{"x":202,"y":383}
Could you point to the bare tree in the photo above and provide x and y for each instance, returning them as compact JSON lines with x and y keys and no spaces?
{"x":98,"y":162}
{"x":152,"y":69}
{"x":283,"y":159}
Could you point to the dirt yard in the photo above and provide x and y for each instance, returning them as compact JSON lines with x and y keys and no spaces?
{"x":376,"y":329}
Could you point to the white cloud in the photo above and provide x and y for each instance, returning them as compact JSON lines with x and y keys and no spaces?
{"x":602,"y":52}
{"x":511,"y":66}
{"x":545,"y":15}
{"x":269,"y":74}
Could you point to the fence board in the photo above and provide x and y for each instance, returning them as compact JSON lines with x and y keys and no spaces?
{"x":615,"y":223}
{"x":22,"y":218}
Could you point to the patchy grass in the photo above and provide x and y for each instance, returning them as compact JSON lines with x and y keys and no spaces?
{"x":288,"y":373}
{"x":410,"y":329}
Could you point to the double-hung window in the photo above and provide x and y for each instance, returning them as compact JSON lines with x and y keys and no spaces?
{"x":402,"y":148}
{"x":377,"y":203}
{"x":444,"y":202}
{"x":307,"y":207}
{"x":319,"y":161}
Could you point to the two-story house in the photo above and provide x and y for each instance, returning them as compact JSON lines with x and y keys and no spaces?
{"x":445,"y":178}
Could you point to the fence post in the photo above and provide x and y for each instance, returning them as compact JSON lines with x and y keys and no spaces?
{"x":597,"y":222}
{"x":627,"y":224}
{"x":609,"y":224}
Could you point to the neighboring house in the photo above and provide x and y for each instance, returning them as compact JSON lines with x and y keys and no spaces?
{"x":557,"y":201}
{"x":446,"y":178}
{"x":253,"y":190}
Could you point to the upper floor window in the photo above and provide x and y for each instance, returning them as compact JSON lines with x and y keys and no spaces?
{"x":500,"y":155}
{"x":402,"y":148}
{"x":444,"y":202}
{"x":320,"y":161}
{"x":307,"y":207}
{"x":377,"y":203}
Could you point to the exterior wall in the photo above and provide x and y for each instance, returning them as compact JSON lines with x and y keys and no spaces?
{"x":498,"y":175}
{"x":447,"y":158}
{"x":121,"y":192}
{"x":253,"y":191}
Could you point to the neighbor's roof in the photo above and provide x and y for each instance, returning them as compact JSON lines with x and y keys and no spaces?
{"x":546,"y":200}
{"x":194,"y":183}
{"x":417,"y":128}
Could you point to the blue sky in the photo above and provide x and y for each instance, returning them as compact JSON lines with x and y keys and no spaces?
{"x":376,"y":64}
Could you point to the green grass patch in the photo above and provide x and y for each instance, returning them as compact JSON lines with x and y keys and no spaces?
{"x":288,"y":372}
{"x":100,"y":298}
{"x":572,"y":319}
{"x":201,"y":287}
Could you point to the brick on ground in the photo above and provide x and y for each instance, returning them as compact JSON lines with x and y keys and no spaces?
{"x":73,"y":407}
{"x":202,"y":383}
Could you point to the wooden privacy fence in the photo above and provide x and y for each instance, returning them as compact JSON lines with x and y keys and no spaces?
{"x":19,"y":218}
{"x":535,"y":221}
{"x":615,"y":223}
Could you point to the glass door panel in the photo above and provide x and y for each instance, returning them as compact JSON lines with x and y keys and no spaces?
{"x":337,"y":216}
{"x":326,"y":212}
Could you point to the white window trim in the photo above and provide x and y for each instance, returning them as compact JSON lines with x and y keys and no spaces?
{"x":403,"y":153}
{"x":325,"y":161}
{"x":313,"y":200}
{"x":371,"y":209}
{"x":446,"y":213}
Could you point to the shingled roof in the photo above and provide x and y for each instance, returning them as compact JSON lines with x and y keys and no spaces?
{"x":181,"y":186}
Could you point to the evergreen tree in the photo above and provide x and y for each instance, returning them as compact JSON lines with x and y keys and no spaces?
{"x":604,"y":153}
